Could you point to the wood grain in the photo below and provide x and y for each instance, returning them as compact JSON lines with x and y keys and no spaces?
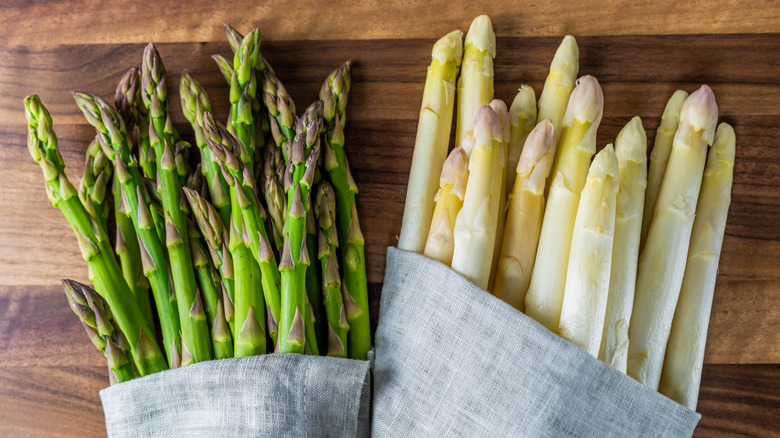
{"x":106,"y":21}
{"x":46,"y":362}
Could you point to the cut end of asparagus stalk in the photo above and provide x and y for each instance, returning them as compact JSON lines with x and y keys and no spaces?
{"x":449,"y":48}
{"x":586,"y":103}
{"x":699,"y":113}
{"x":481,"y":35}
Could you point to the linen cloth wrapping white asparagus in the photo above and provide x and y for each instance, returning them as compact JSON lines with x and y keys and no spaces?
{"x":452,"y":360}
{"x":275,"y":395}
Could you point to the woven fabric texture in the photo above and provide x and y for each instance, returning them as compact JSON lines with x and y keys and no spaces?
{"x":454,"y":361}
{"x":275,"y":395}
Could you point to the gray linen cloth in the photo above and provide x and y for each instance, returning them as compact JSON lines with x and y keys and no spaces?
{"x":275,"y":395}
{"x":452,"y":360}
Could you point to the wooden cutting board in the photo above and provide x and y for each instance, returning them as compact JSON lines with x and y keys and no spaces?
{"x":50,"y":374}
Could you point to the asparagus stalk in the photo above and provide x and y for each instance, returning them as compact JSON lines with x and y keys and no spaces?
{"x":302,"y":161}
{"x":208,"y":279}
{"x":449,"y":200}
{"x":194,"y":103}
{"x":475,"y":84}
{"x":328,"y":241}
{"x":662,"y":261}
{"x":499,"y":107}
{"x":659,"y":157}
{"x":524,"y":218}
{"x":129,"y":105}
{"x":220,"y":334}
{"x":433,"y":136}
{"x":92,"y":238}
{"x":570,"y":169}
{"x":631,"y":152}
{"x":217,"y":238}
{"x":681,"y":373}
{"x":475,"y":226}
{"x":559,"y":85}
{"x":94,"y":314}
{"x":351,"y":241}
{"x":249,"y":340}
{"x":522,"y":118}
{"x":247,"y":210}
{"x":587,"y":278}
{"x":318,"y":328}
{"x":194,"y":326}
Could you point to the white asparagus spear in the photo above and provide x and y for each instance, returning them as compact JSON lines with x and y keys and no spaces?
{"x":576,"y":147}
{"x":433,"y":137}
{"x":475,"y":226}
{"x":475,"y":84}
{"x":681,"y":373}
{"x":524,"y":216}
{"x":590,"y":259}
{"x":499,"y":107}
{"x":631,"y":152}
{"x":662,"y":261}
{"x":522,"y":118}
{"x":449,"y":200}
{"x":659,"y":156}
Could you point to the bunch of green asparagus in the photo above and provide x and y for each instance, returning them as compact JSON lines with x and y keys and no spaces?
{"x":255,"y":248}
{"x":619,"y":259}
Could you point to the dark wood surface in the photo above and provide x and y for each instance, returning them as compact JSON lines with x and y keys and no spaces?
{"x":50,"y":374}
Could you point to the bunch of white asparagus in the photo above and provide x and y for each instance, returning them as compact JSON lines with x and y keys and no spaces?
{"x":522,"y":208}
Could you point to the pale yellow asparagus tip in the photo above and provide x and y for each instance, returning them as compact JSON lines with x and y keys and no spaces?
{"x":449,"y":200}
{"x":586,"y":103}
{"x":566,"y":59}
{"x":522,"y":113}
{"x":489,"y":124}
{"x":536,"y":159}
{"x":524,"y":216}
{"x":449,"y":48}
{"x":699,"y":113}
{"x":481,"y":35}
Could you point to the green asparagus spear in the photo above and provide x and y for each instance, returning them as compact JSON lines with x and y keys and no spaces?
{"x":337,"y":325}
{"x":281,"y":110}
{"x":113,"y":137}
{"x":301,"y":164}
{"x":92,"y":238}
{"x":273,"y":192}
{"x":351,"y":243}
{"x":93,"y":311}
{"x":196,"y":339}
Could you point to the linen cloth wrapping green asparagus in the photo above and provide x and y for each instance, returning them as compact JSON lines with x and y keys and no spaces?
{"x":274,"y":395}
{"x":452,"y":360}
